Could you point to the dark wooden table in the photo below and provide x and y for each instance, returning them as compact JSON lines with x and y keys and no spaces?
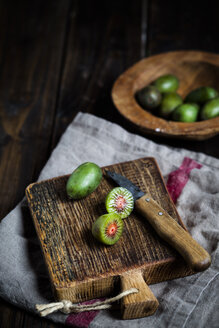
{"x":61,"y":57}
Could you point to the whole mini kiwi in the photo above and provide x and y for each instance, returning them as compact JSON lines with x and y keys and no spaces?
{"x":149,"y":97}
{"x":108,"y":228}
{"x":120,"y":201}
{"x":167,"y":83}
{"x":84,"y":180}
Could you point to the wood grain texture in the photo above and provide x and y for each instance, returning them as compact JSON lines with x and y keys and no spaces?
{"x":104,"y":39}
{"x":31,"y":53}
{"x":193,"y":68}
{"x":79,"y":267}
{"x":118,"y":31}
{"x":171,"y":26}
{"x":141,"y":304}
{"x":32,"y":38}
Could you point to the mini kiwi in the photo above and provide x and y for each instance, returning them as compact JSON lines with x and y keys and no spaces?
{"x":108,"y":228}
{"x":120,"y":201}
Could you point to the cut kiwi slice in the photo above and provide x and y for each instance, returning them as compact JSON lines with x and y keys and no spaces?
{"x":108,"y":228}
{"x":120,"y":201}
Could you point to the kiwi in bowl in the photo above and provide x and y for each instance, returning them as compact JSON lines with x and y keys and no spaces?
{"x":193,"y":70}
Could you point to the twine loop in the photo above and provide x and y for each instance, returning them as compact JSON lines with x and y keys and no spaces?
{"x":67,"y":307}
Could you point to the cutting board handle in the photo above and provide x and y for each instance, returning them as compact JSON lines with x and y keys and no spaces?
{"x":140,"y":304}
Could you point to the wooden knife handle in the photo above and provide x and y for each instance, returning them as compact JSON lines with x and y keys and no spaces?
{"x":169,"y":230}
{"x":140,"y":304}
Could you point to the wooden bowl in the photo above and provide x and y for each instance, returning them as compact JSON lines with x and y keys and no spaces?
{"x":193,"y":68}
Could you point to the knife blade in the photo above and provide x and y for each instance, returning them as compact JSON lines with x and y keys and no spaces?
{"x":165,"y":226}
{"x":124,"y":182}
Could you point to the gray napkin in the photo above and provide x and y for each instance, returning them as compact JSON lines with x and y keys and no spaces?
{"x":186,"y":302}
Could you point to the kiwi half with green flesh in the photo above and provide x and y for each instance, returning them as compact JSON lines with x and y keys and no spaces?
{"x":120,"y":201}
{"x":108,"y":228}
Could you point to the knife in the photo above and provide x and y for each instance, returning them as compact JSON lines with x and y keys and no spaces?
{"x":166,"y":227}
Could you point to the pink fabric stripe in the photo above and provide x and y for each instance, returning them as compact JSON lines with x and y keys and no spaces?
{"x":175,"y":184}
{"x":178,"y":179}
{"x":83,"y":319}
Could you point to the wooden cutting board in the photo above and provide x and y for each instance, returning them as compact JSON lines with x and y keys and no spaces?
{"x":80,"y":268}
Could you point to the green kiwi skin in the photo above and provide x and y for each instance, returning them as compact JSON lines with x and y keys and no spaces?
{"x":84,"y":180}
{"x":110,"y":201}
{"x":99,"y":228}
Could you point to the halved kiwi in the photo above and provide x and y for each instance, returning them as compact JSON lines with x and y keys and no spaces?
{"x":108,"y":228}
{"x":120,"y":201}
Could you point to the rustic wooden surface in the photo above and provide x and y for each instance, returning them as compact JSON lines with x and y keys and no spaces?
{"x":137,"y":305}
{"x":194,"y":69}
{"x":80,"y":268}
{"x":61,"y":58}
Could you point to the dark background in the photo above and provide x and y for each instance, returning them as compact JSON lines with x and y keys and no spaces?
{"x":59,"y":57}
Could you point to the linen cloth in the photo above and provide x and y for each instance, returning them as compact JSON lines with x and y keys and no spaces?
{"x":185,"y":302}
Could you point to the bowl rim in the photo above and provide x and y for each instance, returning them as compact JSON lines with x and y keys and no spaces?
{"x":123,"y":96}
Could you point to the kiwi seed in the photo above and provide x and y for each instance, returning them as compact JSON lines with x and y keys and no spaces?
{"x":120,"y":201}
